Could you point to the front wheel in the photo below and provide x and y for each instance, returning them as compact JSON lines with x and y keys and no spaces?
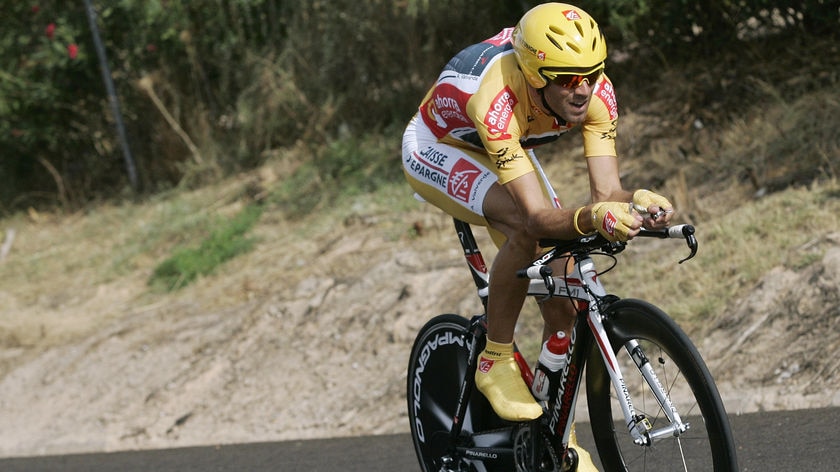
{"x":707,"y":445}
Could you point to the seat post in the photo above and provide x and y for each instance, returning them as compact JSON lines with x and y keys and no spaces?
{"x":475,"y":261}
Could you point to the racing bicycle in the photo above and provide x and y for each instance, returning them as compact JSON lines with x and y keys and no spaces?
{"x":652,"y":403}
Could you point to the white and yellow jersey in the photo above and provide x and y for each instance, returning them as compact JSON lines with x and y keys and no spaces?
{"x":480,"y":102}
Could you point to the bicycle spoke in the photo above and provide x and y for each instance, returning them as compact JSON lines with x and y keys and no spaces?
{"x":704,"y":445}
{"x":670,"y":450}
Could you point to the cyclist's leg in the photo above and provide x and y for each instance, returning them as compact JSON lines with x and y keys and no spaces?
{"x":465,"y":185}
{"x":516,"y":251}
{"x":502,"y":384}
{"x":476,"y":196}
{"x":558,"y":313}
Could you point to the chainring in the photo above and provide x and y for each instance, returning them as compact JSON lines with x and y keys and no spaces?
{"x":523,"y":450}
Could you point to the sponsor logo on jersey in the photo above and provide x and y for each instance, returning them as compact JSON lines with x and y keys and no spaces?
{"x":571,"y":15}
{"x":606,"y":93}
{"x":445,"y":110}
{"x":462,"y":179}
{"x":500,"y":114}
{"x":502,"y":38}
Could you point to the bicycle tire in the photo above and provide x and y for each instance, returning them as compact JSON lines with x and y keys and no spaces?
{"x":437,"y":368}
{"x":708,"y":445}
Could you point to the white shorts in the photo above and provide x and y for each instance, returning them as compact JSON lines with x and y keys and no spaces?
{"x":453,"y":179}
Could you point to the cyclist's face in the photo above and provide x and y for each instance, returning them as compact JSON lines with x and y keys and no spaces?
{"x":570,"y":103}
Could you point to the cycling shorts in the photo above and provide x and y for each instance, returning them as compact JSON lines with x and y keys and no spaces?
{"x":453,"y":179}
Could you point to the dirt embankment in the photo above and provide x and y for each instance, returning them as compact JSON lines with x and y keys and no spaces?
{"x":321,"y":351}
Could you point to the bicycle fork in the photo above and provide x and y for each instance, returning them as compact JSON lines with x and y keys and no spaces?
{"x":583,"y":285}
{"x":638,"y":425}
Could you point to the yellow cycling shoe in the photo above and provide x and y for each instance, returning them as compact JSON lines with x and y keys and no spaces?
{"x":499,"y":379}
{"x":585,"y":463}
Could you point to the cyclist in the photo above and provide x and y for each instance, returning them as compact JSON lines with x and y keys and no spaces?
{"x":468,"y":151}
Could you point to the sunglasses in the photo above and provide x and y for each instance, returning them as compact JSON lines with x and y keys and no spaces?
{"x":571,"y":81}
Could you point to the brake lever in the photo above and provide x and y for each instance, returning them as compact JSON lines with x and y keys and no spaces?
{"x":548,"y":280}
{"x":684,"y":231}
{"x":690,"y":239}
{"x":536,"y":272}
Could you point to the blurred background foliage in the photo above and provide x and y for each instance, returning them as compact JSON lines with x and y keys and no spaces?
{"x":214,"y":87}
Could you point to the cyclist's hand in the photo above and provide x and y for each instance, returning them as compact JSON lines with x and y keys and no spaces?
{"x":654,"y":208}
{"x":615,"y":221}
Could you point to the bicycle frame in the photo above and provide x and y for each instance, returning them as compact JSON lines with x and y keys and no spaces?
{"x":583,"y":286}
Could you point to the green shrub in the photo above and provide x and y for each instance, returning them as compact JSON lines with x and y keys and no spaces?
{"x":226,"y":83}
{"x":224,"y":243}
{"x":345,"y":167}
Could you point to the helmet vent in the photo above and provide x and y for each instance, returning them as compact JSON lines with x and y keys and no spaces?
{"x":554,"y":41}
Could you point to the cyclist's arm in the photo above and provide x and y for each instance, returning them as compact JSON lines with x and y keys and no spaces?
{"x":544,"y":221}
{"x":541,"y":219}
{"x":599,"y":133}
{"x":604,"y":180}
{"x":605,"y":185}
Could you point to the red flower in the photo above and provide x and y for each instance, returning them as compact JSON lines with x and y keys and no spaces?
{"x":50,"y":30}
{"x":72,"y":50}
{"x":35,"y":8}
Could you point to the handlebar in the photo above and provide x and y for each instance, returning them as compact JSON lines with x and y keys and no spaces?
{"x":596,"y":242}
{"x":680,"y":231}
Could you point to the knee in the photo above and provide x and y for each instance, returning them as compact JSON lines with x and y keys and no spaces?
{"x":523,"y":243}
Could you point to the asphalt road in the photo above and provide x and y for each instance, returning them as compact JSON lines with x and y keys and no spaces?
{"x":805,"y":440}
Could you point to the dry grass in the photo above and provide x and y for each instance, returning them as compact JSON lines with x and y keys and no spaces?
{"x":761,"y":189}
{"x":737,"y":248}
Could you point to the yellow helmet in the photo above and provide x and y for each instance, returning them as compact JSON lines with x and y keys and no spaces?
{"x":557,"y":38}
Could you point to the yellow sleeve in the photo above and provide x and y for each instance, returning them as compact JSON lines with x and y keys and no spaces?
{"x":599,"y":129}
